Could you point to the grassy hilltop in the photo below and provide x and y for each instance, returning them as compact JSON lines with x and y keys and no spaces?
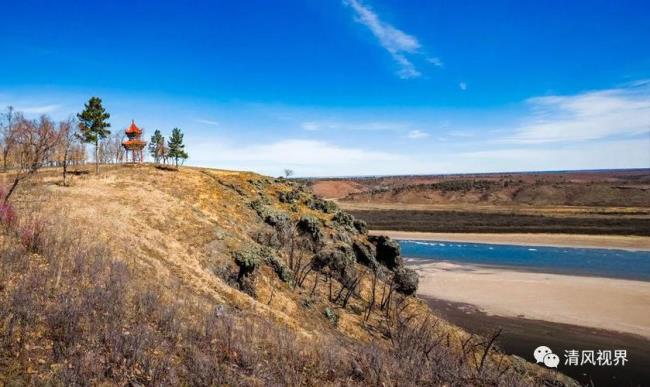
{"x":148,"y":276}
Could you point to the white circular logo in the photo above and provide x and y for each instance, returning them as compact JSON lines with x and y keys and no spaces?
{"x":551,"y":360}
{"x":540,"y":352}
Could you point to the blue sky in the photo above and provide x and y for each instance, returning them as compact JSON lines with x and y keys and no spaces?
{"x":351,"y":87}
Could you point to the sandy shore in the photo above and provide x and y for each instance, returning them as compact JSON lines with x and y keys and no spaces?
{"x":560,"y":240}
{"x":519,"y":336}
{"x":612,"y":304}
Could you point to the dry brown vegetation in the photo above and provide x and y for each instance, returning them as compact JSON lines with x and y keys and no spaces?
{"x":598,"y":202}
{"x":571,"y":188}
{"x":495,"y":222}
{"x":145,"y":276}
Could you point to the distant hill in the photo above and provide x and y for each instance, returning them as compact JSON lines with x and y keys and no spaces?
{"x":591,"y":202}
{"x":572,"y":188}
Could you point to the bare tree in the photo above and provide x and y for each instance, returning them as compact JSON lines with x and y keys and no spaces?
{"x":164,"y":153}
{"x":288,"y":173}
{"x":115,"y":147}
{"x":7,"y":135}
{"x":34,"y":142}
{"x":105,"y":151}
{"x":78,"y":154}
{"x":68,"y":139}
{"x":373,"y":295}
{"x":110,"y":149}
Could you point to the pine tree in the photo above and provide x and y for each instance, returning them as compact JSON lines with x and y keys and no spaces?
{"x":157,"y":146}
{"x":176,"y":146}
{"x":93,"y":125}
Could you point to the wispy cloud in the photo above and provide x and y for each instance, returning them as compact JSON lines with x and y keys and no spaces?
{"x":41,"y":109}
{"x":295,"y":151}
{"x":625,"y":154}
{"x":395,"y":41}
{"x":307,"y":157}
{"x":592,"y":115}
{"x":207,"y":122}
{"x":353,"y":125}
{"x":460,"y":133}
{"x":417,"y":134}
{"x":311,"y":126}
{"x":462,"y":86}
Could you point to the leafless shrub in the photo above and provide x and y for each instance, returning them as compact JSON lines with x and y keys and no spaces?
{"x":33,"y":144}
{"x":147,"y":303}
{"x":267,"y":236}
{"x":64,"y":323}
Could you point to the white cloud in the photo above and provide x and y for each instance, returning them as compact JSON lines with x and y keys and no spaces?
{"x":304,"y":152}
{"x":395,"y":41}
{"x":462,"y":86}
{"x":306,"y":157}
{"x":460,"y":133}
{"x":623,"y":154}
{"x":407,"y":70}
{"x":353,"y":125}
{"x":417,"y":134}
{"x":310,"y":126}
{"x":207,"y":122}
{"x":639,"y":83}
{"x":42,"y":109}
{"x":588,"y":116}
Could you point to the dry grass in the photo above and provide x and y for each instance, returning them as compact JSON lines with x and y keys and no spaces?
{"x":127,"y":282}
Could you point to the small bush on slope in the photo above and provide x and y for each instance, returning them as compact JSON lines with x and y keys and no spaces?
{"x":311,"y":226}
{"x":388,"y":251}
{"x":318,"y":204}
{"x":406,"y":281}
{"x":283,"y":272}
{"x":344,"y":220}
{"x":248,"y":260}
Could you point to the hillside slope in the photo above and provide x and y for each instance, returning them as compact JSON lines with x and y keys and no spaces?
{"x":150,"y":276}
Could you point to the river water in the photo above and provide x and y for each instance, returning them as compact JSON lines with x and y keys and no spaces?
{"x":575,"y":261}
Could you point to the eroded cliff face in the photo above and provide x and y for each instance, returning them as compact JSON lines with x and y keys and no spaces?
{"x":218,"y":277}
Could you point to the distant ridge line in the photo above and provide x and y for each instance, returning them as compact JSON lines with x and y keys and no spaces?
{"x":363,"y":177}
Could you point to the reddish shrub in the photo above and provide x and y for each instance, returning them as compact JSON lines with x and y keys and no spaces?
{"x":32,"y":235}
{"x":7,"y":214}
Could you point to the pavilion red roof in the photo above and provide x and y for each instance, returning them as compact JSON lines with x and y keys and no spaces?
{"x":133,"y":128}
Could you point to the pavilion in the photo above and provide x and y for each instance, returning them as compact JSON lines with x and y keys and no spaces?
{"x":134,"y":143}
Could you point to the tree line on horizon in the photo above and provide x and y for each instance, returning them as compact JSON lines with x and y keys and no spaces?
{"x":27,"y":145}
{"x":174,"y":149}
